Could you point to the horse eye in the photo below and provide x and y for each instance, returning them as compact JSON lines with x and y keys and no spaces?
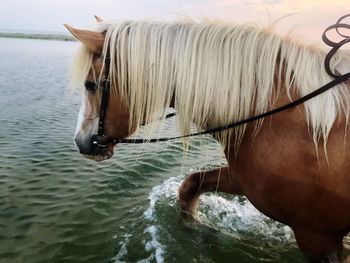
{"x":90,"y":85}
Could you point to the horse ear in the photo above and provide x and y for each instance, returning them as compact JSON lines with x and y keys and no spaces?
{"x":92,"y":40}
{"x":98,"y":19}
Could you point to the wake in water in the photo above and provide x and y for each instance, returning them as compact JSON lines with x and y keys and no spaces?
{"x":235,"y":217}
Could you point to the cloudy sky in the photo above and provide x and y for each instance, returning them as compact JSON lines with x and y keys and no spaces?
{"x":309,"y":17}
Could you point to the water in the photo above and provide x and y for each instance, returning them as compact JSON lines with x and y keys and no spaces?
{"x":56,"y":206}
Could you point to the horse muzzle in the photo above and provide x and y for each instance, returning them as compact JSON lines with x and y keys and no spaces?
{"x":95,"y":147}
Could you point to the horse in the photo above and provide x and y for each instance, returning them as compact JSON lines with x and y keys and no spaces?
{"x":292,"y":166}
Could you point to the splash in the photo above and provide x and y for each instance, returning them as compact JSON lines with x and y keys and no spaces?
{"x":167,"y":190}
{"x":123,"y":251}
{"x":234,"y":216}
{"x":238,"y":217}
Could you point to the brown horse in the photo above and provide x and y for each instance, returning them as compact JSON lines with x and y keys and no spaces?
{"x":293,"y":166}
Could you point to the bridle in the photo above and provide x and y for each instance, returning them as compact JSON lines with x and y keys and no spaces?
{"x":99,"y":139}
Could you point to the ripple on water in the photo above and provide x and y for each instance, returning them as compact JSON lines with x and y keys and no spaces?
{"x":57,"y":206}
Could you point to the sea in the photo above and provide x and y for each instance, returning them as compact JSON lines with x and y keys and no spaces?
{"x":57,"y":206}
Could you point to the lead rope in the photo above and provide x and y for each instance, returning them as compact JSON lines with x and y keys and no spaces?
{"x":335,"y":45}
{"x":337,"y":80}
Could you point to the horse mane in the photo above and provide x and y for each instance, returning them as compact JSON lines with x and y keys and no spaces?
{"x":220,"y":73}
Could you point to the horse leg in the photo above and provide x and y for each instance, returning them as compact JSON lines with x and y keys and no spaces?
{"x":197,"y":183}
{"x":320,"y":248}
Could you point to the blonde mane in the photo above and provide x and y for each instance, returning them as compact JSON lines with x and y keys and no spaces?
{"x":220,"y":73}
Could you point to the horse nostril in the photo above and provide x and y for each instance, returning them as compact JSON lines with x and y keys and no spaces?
{"x":99,"y":140}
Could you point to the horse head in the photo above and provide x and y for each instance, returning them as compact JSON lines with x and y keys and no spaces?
{"x":90,"y":63}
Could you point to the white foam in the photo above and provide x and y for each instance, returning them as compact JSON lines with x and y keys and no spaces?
{"x":234,"y":216}
{"x":168,"y":189}
{"x":123,"y":251}
{"x":154,"y":244}
{"x":238,"y":217}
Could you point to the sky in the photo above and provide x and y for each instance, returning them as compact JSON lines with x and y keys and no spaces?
{"x":307,"y":18}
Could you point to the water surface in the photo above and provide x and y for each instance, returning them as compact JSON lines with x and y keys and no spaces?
{"x":57,"y":206}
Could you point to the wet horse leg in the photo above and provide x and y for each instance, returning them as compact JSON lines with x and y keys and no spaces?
{"x":320,"y":248}
{"x":219,"y":180}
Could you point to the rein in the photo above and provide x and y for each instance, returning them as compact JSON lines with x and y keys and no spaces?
{"x":102,"y":140}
